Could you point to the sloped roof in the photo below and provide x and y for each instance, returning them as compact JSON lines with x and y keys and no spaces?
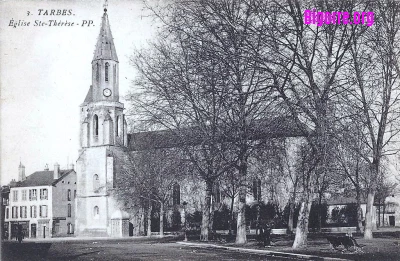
{"x":118,"y":214}
{"x":89,"y":95}
{"x":105,"y":48}
{"x":42,"y":178}
{"x":346,"y":200}
{"x":343,"y":200}
{"x":261,"y":129}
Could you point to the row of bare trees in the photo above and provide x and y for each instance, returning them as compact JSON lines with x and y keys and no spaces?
{"x":220,"y":68}
{"x":147,"y":178}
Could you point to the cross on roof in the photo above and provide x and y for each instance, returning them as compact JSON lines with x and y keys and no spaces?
{"x":105,"y":5}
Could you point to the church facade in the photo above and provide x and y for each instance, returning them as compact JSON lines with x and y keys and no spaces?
{"x":103,"y":134}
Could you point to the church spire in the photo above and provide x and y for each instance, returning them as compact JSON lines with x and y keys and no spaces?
{"x":104,"y":66}
{"x":105,"y":48}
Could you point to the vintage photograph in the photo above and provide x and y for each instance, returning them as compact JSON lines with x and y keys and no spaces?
{"x":200,"y":129}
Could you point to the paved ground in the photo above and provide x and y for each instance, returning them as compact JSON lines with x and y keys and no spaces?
{"x":119,"y":250}
{"x":385,"y":246}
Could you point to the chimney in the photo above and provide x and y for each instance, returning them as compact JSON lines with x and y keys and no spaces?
{"x":46,"y":167}
{"x":21,"y":172}
{"x":71,"y":166}
{"x":12,"y":183}
{"x":56,"y":170}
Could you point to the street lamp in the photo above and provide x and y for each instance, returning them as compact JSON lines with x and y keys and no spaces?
{"x":185,"y":225}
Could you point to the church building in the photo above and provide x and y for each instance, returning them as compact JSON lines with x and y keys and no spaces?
{"x":103,"y":134}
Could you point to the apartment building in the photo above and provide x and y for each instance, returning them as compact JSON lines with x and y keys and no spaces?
{"x":42,"y":204}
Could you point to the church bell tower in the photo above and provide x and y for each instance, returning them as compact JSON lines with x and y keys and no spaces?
{"x":103,"y":134}
{"x":105,"y":65}
{"x":102,"y":113}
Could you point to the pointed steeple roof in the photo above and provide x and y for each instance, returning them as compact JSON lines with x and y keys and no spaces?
{"x":105,"y":48}
{"x":89,"y":95}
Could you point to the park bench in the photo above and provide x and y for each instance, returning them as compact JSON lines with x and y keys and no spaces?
{"x":222,"y":237}
{"x":346,"y":241}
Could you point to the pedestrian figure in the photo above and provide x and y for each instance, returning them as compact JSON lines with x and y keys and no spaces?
{"x":20,"y":234}
{"x":267,"y":236}
{"x":261,"y":234}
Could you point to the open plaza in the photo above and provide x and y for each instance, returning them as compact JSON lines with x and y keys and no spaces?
{"x":384,"y":247}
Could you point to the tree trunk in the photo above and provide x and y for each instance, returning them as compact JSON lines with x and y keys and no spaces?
{"x":292,"y":205}
{"x":383,"y":213}
{"x":162,"y":220}
{"x":141,"y":222}
{"x":319,"y":212}
{"x":258,"y":218}
{"x":369,"y":215}
{"x":232,"y":218}
{"x":379,"y":213}
{"x":211,"y":222}
{"x":291,"y":216}
{"x":300,"y":240}
{"x":206,"y":212}
{"x":359,"y":210}
{"x":149,"y":220}
{"x":241,"y":218}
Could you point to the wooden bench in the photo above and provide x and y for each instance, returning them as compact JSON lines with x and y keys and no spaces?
{"x":346,"y":241}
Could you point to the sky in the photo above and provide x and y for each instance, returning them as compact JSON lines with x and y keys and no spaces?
{"x":45,"y":74}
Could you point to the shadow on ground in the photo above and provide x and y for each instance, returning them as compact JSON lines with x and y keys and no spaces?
{"x":68,"y":250}
{"x":24,"y":251}
{"x":384,"y":247}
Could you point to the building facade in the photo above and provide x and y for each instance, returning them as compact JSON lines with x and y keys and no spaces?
{"x":385,"y":214}
{"x":5,"y":194}
{"x":42,"y":204}
{"x":102,"y":138}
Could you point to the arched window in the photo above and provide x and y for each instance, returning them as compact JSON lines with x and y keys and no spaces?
{"x":106,"y":71}
{"x":176,"y":194}
{"x":96,"y":212}
{"x":69,"y":210}
{"x":96,"y":182}
{"x":70,"y":228}
{"x":97,"y":72}
{"x":117,"y":126}
{"x":95,"y":125}
{"x":115,"y":72}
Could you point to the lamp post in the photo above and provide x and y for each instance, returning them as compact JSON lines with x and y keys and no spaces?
{"x":185,"y":225}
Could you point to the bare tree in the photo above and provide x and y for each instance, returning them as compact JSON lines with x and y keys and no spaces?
{"x":374,"y":92}
{"x":182,"y":88}
{"x":351,"y":165}
{"x":230,"y":184}
{"x":223,"y":29}
{"x":200,"y":74}
{"x":147,"y":177}
{"x":305,"y":64}
{"x":291,"y":165}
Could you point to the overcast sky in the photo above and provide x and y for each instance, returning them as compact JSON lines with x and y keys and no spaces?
{"x":45,"y":74}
